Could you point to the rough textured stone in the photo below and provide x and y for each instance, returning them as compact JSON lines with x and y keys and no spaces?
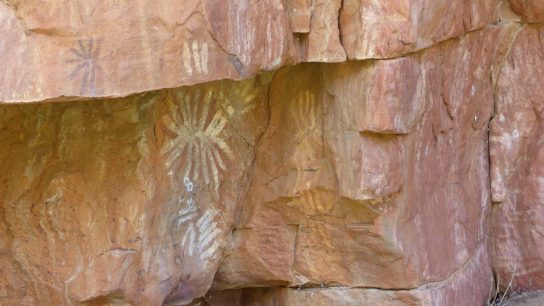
{"x":378,"y":29}
{"x":458,"y":289}
{"x":266,"y":253}
{"x":363,"y":184}
{"x":528,"y":299}
{"x":531,"y":10}
{"x":116,"y":48}
{"x":127,"y":199}
{"x":58,"y":49}
{"x":517,"y":163}
{"x":315,"y":24}
{"x":350,"y":183}
{"x":324,"y":36}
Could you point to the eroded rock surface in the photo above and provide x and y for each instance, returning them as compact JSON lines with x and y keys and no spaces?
{"x":128,"y":199}
{"x":517,"y":167}
{"x":352,"y":181}
{"x":531,"y":10}
{"x":57,"y":49}
{"x":384,"y":29}
{"x":458,"y":289}
{"x":352,"y":163}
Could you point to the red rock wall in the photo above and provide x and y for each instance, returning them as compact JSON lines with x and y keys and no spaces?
{"x":295,"y":152}
{"x":517,"y":168}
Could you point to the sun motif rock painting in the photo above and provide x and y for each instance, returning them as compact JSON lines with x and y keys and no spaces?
{"x":197,"y":138}
{"x":198,"y":133}
{"x":155,"y":233}
{"x":86,"y":65}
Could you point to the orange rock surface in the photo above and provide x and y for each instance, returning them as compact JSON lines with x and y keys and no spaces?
{"x":297,"y":152}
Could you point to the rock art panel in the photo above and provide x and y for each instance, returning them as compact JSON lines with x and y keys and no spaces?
{"x":303,"y":184}
{"x":316,"y":23}
{"x":516,"y":164}
{"x":126,"y":200}
{"x":65,"y":49}
{"x":392,"y":150}
{"x":86,"y":66}
{"x":292,"y":140}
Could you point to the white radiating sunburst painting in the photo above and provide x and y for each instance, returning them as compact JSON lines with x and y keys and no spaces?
{"x":198,"y":150}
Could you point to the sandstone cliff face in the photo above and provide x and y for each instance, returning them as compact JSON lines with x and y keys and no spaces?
{"x":516,"y":159}
{"x":298,"y":152}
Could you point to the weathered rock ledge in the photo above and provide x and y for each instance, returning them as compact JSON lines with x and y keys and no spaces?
{"x":60,"y":50}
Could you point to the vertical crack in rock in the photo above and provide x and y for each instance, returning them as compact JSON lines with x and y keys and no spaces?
{"x":340,"y":30}
{"x":507,"y":45}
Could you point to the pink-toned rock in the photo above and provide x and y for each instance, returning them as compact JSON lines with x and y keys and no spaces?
{"x":517,"y":164}
{"x":385,"y":29}
{"x":267,"y":255}
{"x":378,"y":160}
{"x":382,"y":98}
{"x":366,"y":185}
{"x":458,"y":289}
{"x":456,"y":102}
{"x":300,"y":15}
{"x":315,"y":24}
{"x":116,"y":48}
{"x":530,"y":10}
{"x":324,"y":37}
{"x":59,"y":50}
{"x":315,"y":181}
{"x":526,"y":299}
